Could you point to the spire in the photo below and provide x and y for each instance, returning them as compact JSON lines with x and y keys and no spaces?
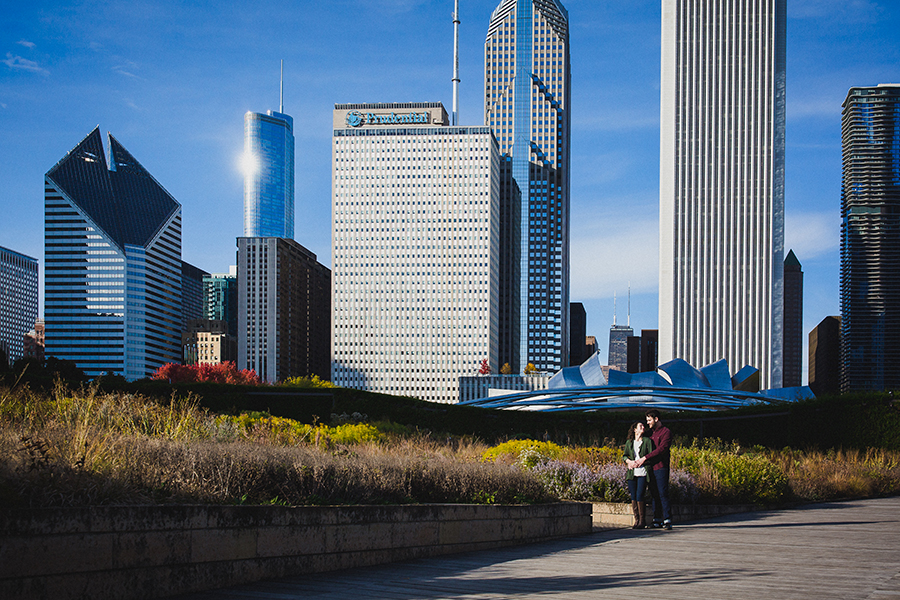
{"x":614,"y":309}
{"x":629,"y":304}
{"x":455,"y":118}
{"x":281,"y":104}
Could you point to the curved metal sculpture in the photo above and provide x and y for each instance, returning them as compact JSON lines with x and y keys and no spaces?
{"x":675,"y":385}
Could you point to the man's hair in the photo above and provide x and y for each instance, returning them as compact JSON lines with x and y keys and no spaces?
{"x":652,"y":413}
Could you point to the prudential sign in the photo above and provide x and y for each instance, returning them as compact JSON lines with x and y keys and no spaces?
{"x":356,"y":118}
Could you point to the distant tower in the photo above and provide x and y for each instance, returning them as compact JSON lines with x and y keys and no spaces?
{"x":578,"y":336}
{"x":18,"y":302}
{"x":870,"y":239}
{"x":527,"y":99}
{"x":793,"y":321}
{"x":721,"y":193}
{"x":269,"y":173}
{"x":618,"y":343}
{"x":824,"y":357}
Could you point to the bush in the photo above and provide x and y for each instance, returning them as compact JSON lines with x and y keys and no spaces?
{"x":725,"y":474}
{"x":512,"y":451}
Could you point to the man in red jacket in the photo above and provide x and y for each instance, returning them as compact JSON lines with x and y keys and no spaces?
{"x":659,"y":458}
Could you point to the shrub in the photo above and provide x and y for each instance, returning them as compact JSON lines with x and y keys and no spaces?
{"x":225,"y":372}
{"x":307,"y":382}
{"x":513,"y":450}
{"x":725,"y":474}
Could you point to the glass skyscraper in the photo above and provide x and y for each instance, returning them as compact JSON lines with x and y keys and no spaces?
{"x":870,"y":239}
{"x":527,"y":98}
{"x":112,"y":263}
{"x":268,"y":175}
{"x":721,"y":184}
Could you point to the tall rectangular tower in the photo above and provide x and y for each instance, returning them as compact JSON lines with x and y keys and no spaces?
{"x":527,"y":99}
{"x":268,"y":175}
{"x":415,"y":245}
{"x":870,"y":239}
{"x":284,"y":310}
{"x":721,"y":229}
{"x":18,"y":302}
{"x":112,"y":246}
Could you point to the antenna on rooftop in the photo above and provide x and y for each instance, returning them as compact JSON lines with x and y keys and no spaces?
{"x":614,"y":309}
{"x":455,"y":118}
{"x":629,"y":304}
{"x":281,"y":105}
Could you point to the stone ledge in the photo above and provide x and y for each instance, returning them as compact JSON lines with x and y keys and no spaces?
{"x":137,"y":552}
{"x":618,"y":514}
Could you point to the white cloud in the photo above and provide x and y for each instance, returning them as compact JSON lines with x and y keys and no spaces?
{"x":26,"y":43}
{"x":23,"y":64}
{"x":611,"y":253}
{"x":811,"y":234}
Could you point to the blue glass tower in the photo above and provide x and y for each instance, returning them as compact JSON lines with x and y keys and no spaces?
{"x":269,"y":175}
{"x":870,"y":239}
{"x":527,"y":100}
{"x":112,"y":248}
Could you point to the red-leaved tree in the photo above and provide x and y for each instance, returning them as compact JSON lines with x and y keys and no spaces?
{"x":226,"y":372}
{"x":485,"y":368}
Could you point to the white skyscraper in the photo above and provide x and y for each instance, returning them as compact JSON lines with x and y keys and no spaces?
{"x":722,"y":183}
{"x":415,"y":237}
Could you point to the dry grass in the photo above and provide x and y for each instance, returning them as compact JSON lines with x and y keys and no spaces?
{"x":83,"y":448}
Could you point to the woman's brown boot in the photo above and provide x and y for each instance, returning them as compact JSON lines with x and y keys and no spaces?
{"x":641,"y":515}
{"x":637,"y":519}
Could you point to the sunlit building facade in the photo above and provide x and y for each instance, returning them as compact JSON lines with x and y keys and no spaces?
{"x":870,"y":239}
{"x":18,"y":302}
{"x":113,"y":268}
{"x":722,"y":107}
{"x":268,"y":175}
{"x":284,"y":310}
{"x":415,"y":246}
{"x":527,"y":99}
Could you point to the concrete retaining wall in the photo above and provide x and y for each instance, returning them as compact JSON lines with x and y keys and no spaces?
{"x":617,"y":514}
{"x":157,"y":551}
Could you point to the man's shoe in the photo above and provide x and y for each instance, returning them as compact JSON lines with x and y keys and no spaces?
{"x":667,"y":525}
{"x":657,"y":525}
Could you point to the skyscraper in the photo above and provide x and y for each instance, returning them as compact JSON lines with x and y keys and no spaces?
{"x":415,"y":245}
{"x":285,"y":310}
{"x":113,"y":263}
{"x":268,"y":175}
{"x":220,"y":292}
{"x":793,"y":321}
{"x":527,"y":99}
{"x":870,"y":239}
{"x":722,"y":183}
{"x":18,"y":302}
{"x":825,"y":357}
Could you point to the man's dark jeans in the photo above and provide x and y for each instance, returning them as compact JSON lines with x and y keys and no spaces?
{"x":659,"y":490}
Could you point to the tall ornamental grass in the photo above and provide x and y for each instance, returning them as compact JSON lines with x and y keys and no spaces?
{"x":81,"y":448}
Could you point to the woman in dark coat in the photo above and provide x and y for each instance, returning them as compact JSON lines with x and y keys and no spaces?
{"x":636,"y":447}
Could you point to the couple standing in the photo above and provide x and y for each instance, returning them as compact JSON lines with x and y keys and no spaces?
{"x":647,"y":459}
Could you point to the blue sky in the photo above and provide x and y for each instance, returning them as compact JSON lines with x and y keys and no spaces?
{"x":172,"y":80}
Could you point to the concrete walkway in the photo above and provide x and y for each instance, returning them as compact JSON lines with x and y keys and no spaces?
{"x":835,"y":550}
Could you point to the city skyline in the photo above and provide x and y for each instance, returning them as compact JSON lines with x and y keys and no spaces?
{"x":65,"y":70}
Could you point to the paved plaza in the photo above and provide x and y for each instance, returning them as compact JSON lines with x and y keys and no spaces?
{"x":843,"y":550}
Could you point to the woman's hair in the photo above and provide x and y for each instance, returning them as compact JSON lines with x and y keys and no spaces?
{"x":631,"y":429}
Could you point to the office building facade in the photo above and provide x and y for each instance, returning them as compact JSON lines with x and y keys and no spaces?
{"x":722,"y":113}
{"x":825,"y":357}
{"x":220,"y":298}
{"x":207,"y":342}
{"x":18,"y":302}
{"x":870,"y":239}
{"x":192,"y":298}
{"x":415,"y":247}
{"x":268,"y":175}
{"x":618,"y":346}
{"x":577,"y":333}
{"x":284,"y":310}
{"x":527,"y":99}
{"x":113,"y":276}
